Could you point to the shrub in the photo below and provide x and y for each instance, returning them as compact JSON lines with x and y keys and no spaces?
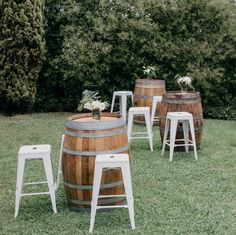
{"x":21,"y":53}
{"x":102,"y":45}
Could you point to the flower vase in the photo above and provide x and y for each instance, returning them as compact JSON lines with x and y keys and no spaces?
{"x":96,"y":114}
{"x":184,"y":89}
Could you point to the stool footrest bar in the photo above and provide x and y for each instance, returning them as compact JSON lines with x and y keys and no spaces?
{"x":103,"y":196}
{"x":118,"y":206}
{"x":32,"y":194}
{"x":34,"y":183}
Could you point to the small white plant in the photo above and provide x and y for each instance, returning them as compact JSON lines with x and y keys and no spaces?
{"x":96,"y":105}
{"x":149,"y":71}
{"x":184,"y":83}
{"x":90,"y":101}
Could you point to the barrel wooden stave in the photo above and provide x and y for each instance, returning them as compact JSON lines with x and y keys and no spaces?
{"x":182,"y":102}
{"x":143,"y":94}
{"x":78,"y":169}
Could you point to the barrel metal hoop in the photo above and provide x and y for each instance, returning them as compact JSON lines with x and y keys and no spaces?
{"x":197,"y":101}
{"x":151,"y":87}
{"x":90,"y":187}
{"x":151,"y":82}
{"x":96,"y":135}
{"x":100,"y":202}
{"x":143,"y":97}
{"x":93,"y":125}
{"x":84,"y":153}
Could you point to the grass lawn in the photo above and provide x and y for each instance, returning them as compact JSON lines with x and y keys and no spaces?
{"x":182,"y":197}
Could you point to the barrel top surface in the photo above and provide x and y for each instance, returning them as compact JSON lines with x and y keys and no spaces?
{"x":182,"y":94}
{"x":150,"y":81}
{"x":85,"y":121}
{"x":90,"y":119}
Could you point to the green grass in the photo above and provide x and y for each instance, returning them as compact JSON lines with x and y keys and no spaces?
{"x":182,"y":197}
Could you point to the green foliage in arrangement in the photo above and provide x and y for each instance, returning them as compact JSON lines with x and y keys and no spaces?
{"x":21,"y":52}
{"x":103,"y":45}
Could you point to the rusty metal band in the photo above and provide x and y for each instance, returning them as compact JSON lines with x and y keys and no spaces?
{"x":181,"y":101}
{"x":84,"y":153}
{"x":100,"y":202}
{"x":90,"y":187}
{"x":95,"y":125}
{"x":96,"y":135}
{"x":151,"y":82}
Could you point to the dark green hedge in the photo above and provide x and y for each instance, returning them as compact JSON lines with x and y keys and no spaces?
{"x":21,"y":53}
{"x":103,"y":44}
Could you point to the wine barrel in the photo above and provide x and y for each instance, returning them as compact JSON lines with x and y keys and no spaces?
{"x":182,"y":102}
{"x":84,"y":139}
{"x":144,"y":91}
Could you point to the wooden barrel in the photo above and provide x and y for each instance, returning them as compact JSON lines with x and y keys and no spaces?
{"x":144,"y":91}
{"x":84,"y":139}
{"x":182,"y":102}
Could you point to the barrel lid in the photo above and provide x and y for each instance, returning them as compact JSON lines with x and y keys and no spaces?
{"x":84,"y":121}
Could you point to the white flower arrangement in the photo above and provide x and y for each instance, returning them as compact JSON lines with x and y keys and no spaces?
{"x":149,"y":71}
{"x":184,"y":83}
{"x":96,"y":105}
{"x":90,"y":101}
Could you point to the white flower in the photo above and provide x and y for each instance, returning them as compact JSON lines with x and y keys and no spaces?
{"x":184,"y":81}
{"x":95,"y":105}
{"x":88,"y":106}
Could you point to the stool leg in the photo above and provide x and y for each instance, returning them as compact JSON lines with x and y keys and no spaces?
{"x":167,"y":126}
{"x":173,"y":129}
{"x":132,"y":100}
{"x":59,"y":172}
{"x":149,"y":129}
{"x":193,"y":138}
{"x":154,"y":106}
{"x":186,"y":135}
{"x":128,"y":191}
{"x":113,"y":101}
{"x":130,"y":125}
{"x":47,"y":161}
{"x":96,"y":188}
{"x":19,"y":182}
{"x":124,"y":106}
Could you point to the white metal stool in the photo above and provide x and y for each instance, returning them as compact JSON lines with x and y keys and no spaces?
{"x":33,"y":152}
{"x":155,"y":101}
{"x":172,"y":120}
{"x":139,"y":135}
{"x":112,"y":161}
{"x":123,"y":101}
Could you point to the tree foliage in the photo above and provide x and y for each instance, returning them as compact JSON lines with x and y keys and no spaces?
{"x":21,"y":52}
{"x":102,"y":45}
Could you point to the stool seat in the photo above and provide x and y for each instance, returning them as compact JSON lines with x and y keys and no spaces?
{"x":108,"y":158}
{"x":123,"y":92}
{"x":139,"y":109}
{"x":122,"y":102}
{"x":179,"y":115}
{"x":172,"y":119}
{"x":30,"y":152}
{"x":34,"y":151}
{"x":105,"y":161}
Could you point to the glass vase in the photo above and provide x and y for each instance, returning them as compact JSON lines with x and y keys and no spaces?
{"x":96,"y":114}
